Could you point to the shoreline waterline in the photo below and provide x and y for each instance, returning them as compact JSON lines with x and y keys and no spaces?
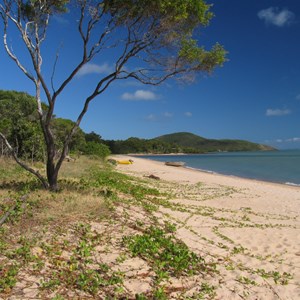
{"x":241,"y":177}
{"x":143,"y":166}
{"x":278,"y":167}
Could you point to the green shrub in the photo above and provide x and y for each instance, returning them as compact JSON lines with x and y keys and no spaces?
{"x":96,"y":149}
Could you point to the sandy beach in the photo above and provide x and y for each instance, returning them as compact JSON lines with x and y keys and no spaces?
{"x":249,"y":228}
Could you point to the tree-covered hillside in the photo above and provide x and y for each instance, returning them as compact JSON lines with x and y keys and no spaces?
{"x":192,"y":143}
{"x":181,"y":142}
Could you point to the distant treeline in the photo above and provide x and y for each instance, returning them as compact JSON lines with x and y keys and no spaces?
{"x":136,"y":145}
{"x":19,"y":122}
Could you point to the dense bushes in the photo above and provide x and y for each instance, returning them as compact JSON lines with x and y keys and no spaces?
{"x":19,"y":122}
{"x":96,"y":149}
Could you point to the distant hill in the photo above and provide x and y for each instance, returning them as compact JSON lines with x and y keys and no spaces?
{"x":180,"y":142}
{"x":191,"y":143}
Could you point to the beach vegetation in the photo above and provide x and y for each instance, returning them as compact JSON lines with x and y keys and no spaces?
{"x":160,"y":294}
{"x":8,"y":279}
{"x":246,"y":280}
{"x":168,"y":256}
{"x":237,"y":250}
{"x":246,"y":218}
{"x":279,"y":278}
{"x":58,"y":297}
{"x":206,"y":290}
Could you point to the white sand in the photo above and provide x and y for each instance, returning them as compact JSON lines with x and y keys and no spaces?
{"x":250,"y":228}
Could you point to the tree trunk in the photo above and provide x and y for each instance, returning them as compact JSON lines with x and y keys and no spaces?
{"x":52,"y":180}
{"x":52,"y":173}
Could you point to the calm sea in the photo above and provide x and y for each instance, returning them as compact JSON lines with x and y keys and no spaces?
{"x":275,"y":166}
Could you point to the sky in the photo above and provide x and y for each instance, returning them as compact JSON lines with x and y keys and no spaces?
{"x":255,"y":96}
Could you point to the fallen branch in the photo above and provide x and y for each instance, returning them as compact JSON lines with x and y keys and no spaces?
{"x":152,"y":177}
{"x":22,"y":164}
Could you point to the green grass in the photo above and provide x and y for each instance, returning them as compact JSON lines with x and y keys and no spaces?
{"x":118,"y":183}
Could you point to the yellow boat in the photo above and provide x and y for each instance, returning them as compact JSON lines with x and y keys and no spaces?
{"x":125,"y":162}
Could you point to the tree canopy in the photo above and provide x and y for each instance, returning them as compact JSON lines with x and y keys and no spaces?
{"x":20,"y":124}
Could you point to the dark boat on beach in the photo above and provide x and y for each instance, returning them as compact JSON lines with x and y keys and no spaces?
{"x":174,"y":163}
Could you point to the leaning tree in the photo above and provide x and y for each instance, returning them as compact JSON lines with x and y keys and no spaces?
{"x":160,"y":37}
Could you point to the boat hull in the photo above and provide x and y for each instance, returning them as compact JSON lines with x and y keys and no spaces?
{"x":174,"y":163}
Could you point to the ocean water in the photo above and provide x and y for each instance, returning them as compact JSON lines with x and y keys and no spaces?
{"x":275,"y":166}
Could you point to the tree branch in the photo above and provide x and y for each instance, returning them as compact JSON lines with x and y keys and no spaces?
{"x":53,"y":71}
{"x":108,"y":79}
{"x":10,"y":53}
{"x":22,"y":164}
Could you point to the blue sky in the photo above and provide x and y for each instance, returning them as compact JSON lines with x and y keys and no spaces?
{"x":255,"y":96}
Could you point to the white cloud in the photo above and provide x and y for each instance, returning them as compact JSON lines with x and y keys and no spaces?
{"x":151,"y":117}
{"x":140,"y":95}
{"x":167,"y":115}
{"x":277,"y":112}
{"x":294,"y":140}
{"x":90,"y":68}
{"x":274,"y":16}
{"x":283,"y":141}
{"x":188,"y":114}
{"x":161,"y":117}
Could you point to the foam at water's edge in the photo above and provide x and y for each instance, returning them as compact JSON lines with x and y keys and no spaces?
{"x":202,"y":170}
{"x":291,"y":183}
{"x":264,"y":180}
